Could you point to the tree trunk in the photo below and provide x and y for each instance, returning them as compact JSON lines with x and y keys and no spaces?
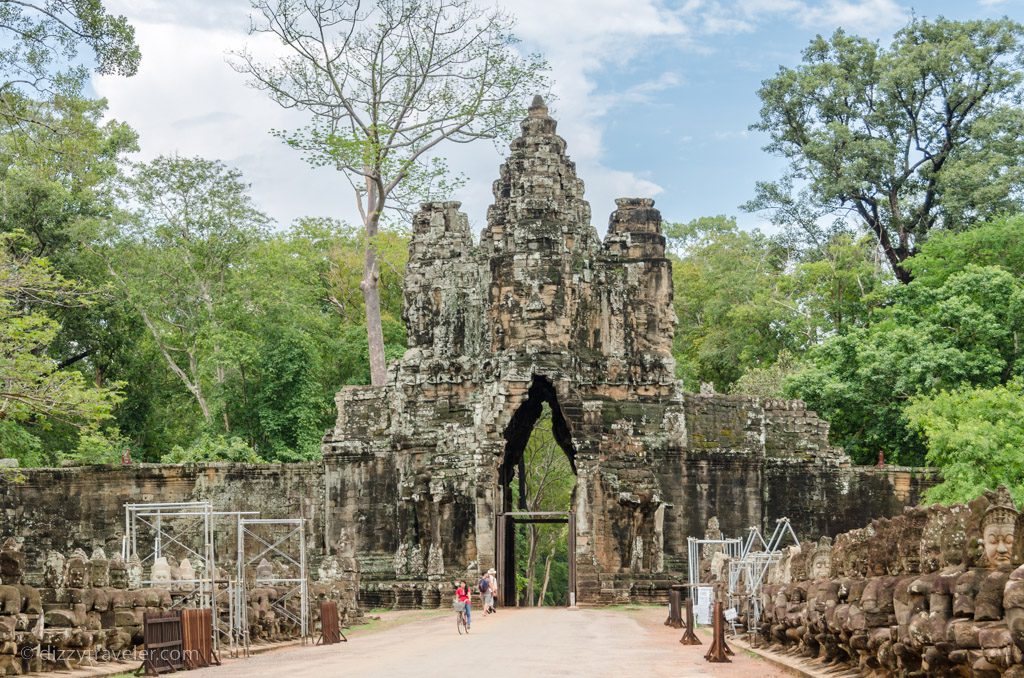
{"x":370,"y":286}
{"x":547,"y":577}
{"x":531,"y":567}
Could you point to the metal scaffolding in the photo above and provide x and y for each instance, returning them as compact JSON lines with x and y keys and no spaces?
{"x":731,"y":547}
{"x":289,"y":544}
{"x":186,"y":530}
{"x":748,"y":572}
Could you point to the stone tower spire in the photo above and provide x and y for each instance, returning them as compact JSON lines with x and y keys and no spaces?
{"x":539,"y":240}
{"x":538,"y":195}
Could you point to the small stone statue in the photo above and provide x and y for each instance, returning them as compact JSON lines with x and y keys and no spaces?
{"x":134,"y":571}
{"x":160,"y":574}
{"x":99,"y":568}
{"x":997,"y":531}
{"x":186,"y":576}
{"x":264,"y":570}
{"x":53,"y":570}
{"x":77,"y":576}
{"x":821,"y":561}
{"x":118,"y":572}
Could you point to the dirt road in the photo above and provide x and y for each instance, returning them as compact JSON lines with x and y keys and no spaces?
{"x":534,"y":643}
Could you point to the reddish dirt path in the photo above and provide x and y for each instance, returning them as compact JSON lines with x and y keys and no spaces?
{"x":534,"y":643}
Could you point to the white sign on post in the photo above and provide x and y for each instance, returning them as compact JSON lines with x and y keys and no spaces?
{"x":705,"y":602}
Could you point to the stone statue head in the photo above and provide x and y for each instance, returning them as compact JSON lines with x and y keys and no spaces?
{"x":53,"y":570}
{"x":118,"y":572}
{"x":264,"y":570}
{"x":160,"y":574}
{"x":99,"y":569}
{"x":821,"y":561}
{"x":998,"y":528}
{"x":134,"y":571}
{"x":77,"y":570}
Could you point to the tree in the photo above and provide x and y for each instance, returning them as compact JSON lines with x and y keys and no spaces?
{"x":39,"y":45}
{"x":385,"y":84}
{"x":963,"y":332}
{"x":194,"y":224}
{"x":725,"y":293}
{"x":976,"y":436}
{"x":34,"y":391}
{"x":921,"y":135}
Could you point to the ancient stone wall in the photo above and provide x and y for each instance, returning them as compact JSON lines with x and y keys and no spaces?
{"x":937,"y":590}
{"x":82,"y":507}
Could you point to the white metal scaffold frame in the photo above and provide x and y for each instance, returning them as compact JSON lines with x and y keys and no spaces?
{"x":732,"y":548}
{"x":294,"y":535}
{"x":169,"y":523}
{"x":747,"y":574}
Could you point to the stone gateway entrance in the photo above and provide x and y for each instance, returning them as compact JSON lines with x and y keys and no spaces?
{"x":542,"y":310}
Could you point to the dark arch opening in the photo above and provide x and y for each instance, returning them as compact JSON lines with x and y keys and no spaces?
{"x":517,"y":436}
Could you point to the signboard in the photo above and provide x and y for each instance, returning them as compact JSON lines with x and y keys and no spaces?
{"x":704,"y":604}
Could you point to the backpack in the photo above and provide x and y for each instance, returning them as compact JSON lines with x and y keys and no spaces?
{"x":485,"y":584}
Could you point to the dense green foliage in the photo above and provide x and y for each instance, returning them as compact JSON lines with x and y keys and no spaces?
{"x":976,"y":436}
{"x":900,"y":140}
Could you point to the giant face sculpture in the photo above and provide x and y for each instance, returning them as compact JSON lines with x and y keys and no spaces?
{"x":997,"y":531}
{"x":821,"y":562}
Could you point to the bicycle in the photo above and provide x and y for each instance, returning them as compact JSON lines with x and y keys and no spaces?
{"x":460,"y":621}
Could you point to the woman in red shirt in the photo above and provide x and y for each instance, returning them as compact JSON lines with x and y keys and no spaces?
{"x":462,"y":595}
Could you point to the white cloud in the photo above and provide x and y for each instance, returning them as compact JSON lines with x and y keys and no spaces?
{"x":874,"y":17}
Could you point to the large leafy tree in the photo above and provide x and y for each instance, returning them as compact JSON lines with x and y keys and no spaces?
{"x":41,"y":44}
{"x":34,"y":392}
{"x":386,"y":83}
{"x":194,"y":224}
{"x":958,"y":326}
{"x":923,"y":134}
{"x":725,"y":293}
{"x":976,"y":436}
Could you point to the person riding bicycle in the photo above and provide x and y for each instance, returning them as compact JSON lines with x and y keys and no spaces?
{"x":462,"y":594}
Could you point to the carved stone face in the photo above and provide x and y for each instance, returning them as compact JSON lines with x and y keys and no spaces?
{"x":76,"y":572}
{"x":998,"y":540}
{"x":160,"y":574}
{"x":821,"y":566}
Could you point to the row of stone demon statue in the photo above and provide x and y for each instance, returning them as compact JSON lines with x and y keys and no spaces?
{"x":936,"y":591}
{"x":90,"y":608}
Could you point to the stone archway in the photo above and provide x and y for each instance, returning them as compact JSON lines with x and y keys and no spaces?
{"x":513,"y":470}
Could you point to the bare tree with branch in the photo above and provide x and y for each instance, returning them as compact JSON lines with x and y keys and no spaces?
{"x":385,"y":83}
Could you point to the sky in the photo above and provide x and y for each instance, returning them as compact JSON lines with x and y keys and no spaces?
{"x":654,"y":97}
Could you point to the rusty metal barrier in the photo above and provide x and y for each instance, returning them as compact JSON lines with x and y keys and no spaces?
{"x":719,"y":651}
{"x":161,"y":633}
{"x":197,"y":638}
{"x":330,"y":626}
{"x":675,"y":617}
{"x":689,"y":637}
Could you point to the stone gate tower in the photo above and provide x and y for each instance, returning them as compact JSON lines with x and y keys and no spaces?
{"x":542,"y":310}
